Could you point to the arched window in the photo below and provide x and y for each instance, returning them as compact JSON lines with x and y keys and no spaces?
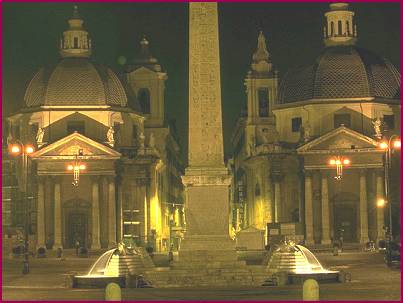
{"x":263,"y":102}
{"x":75,"y":42}
{"x":348,"y":28}
{"x":331,"y":29}
{"x":339,"y":29}
{"x":144,"y":99}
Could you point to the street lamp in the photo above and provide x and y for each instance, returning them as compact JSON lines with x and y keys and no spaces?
{"x":388,"y":146}
{"x":17,"y":149}
{"x":76,"y":168}
{"x":339,"y":162}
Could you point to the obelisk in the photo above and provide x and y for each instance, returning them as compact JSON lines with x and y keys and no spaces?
{"x":206,"y":178}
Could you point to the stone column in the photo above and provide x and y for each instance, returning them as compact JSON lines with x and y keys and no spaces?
{"x":111,"y":212}
{"x":380,"y":220}
{"x":58,"y":215}
{"x":40,"y":221}
{"x":308,"y":209}
{"x":363,"y":207}
{"x":120,"y":211}
{"x":96,"y":244}
{"x":277,"y":200}
{"x":325,"y":209}
{"x":276,"y":176}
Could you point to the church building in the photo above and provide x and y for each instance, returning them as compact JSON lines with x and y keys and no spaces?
{"x":106,"y":164}
{"x":307,"y":162}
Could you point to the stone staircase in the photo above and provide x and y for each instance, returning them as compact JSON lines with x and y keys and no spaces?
{"x":207,"y":269}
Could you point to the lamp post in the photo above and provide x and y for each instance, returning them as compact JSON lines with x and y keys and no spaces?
{"x":339,"y":162}
{"x":388,"y":146}
{"x":16,"y":149}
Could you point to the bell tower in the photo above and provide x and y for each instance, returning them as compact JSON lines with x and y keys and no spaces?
{"x":76,"y":41}
{"x":147,"y":80}
{"x":261,"y":88}
{"x":339,"y":27}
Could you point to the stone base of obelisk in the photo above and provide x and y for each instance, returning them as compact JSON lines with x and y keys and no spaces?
{"x":207,"y":255}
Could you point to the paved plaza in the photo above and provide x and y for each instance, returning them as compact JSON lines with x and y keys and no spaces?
{"x":371,"y":280}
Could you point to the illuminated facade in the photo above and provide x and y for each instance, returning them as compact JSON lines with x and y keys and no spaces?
{"x":339,"y":107}
{"x":79,"y":113}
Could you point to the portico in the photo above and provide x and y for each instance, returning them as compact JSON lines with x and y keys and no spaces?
{"x":85,"y":213}
{"x":348,"y":204}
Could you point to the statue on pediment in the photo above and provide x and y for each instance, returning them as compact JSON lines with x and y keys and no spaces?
{"x":377,"y":124}
{"x":110,"y":136}
{"x":39,"y":136}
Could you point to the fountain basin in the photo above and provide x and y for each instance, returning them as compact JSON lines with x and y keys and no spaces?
{"x":86,"y":281}
{"x":122,"y":265}
{"x":293,"y":264}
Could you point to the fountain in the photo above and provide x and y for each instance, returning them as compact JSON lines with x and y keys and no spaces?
{"x":299,"y":263}
{"x":114,"y":266}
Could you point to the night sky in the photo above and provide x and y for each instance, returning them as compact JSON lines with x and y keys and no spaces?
{"x":31,"y":33}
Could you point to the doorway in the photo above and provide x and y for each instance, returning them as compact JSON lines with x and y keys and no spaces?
{"x":345,"y":220}
{"x":77,"y":229}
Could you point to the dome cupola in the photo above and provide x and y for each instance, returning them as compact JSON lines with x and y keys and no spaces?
{"x":339,"y":28}
{"x":75,"y":41}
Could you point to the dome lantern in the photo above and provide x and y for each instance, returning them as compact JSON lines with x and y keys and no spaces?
{"x":340,"y":28}
{"x":75,"y":41}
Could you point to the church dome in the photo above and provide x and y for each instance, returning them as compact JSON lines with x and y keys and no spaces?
{"x":75,"y":81}
{"x":343,"y":71}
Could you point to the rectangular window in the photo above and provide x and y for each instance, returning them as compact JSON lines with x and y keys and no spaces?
{"x":296,"y":124}
{"x":263,"y":102}
{"x":389,"y":121}
{"x":76,"y":126}
{"x":342,"y":119}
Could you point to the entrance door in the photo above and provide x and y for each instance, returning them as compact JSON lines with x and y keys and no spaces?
{"x":345,"y":219}
{"x":77,"y":229}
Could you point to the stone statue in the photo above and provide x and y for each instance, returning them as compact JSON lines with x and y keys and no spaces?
{"x":110,"y":136}
{"x":151,"y":142}
{"x":306,"y":132}
{"x":39,"y":136}
{"x":377,"y":123}
{"x":264,"y":135}
{"x":142,"y":138}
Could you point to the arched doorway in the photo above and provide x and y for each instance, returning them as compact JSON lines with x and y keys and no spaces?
{"x":345,"y":216}
{"x":76,"y":219}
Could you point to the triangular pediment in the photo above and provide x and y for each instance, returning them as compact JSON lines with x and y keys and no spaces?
{"x":69,"y":146}
{"x":341,"y":138}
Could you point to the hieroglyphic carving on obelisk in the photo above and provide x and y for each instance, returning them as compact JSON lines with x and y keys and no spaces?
{"x":205,"y":121}
{"x":206,"y":178}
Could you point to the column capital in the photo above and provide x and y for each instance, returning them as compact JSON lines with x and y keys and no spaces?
{"x":308,"y":173}
{"x":142,"y":181}
{"x":363,"y":171}
{"x":325,"y":173}
{"x":55,"y":178}
{"x":95,"y":178}
{"x":379,"y":171}
{"x":110,"y":178}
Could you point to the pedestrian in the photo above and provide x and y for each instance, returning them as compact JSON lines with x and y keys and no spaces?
{"x":77,"y":246}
